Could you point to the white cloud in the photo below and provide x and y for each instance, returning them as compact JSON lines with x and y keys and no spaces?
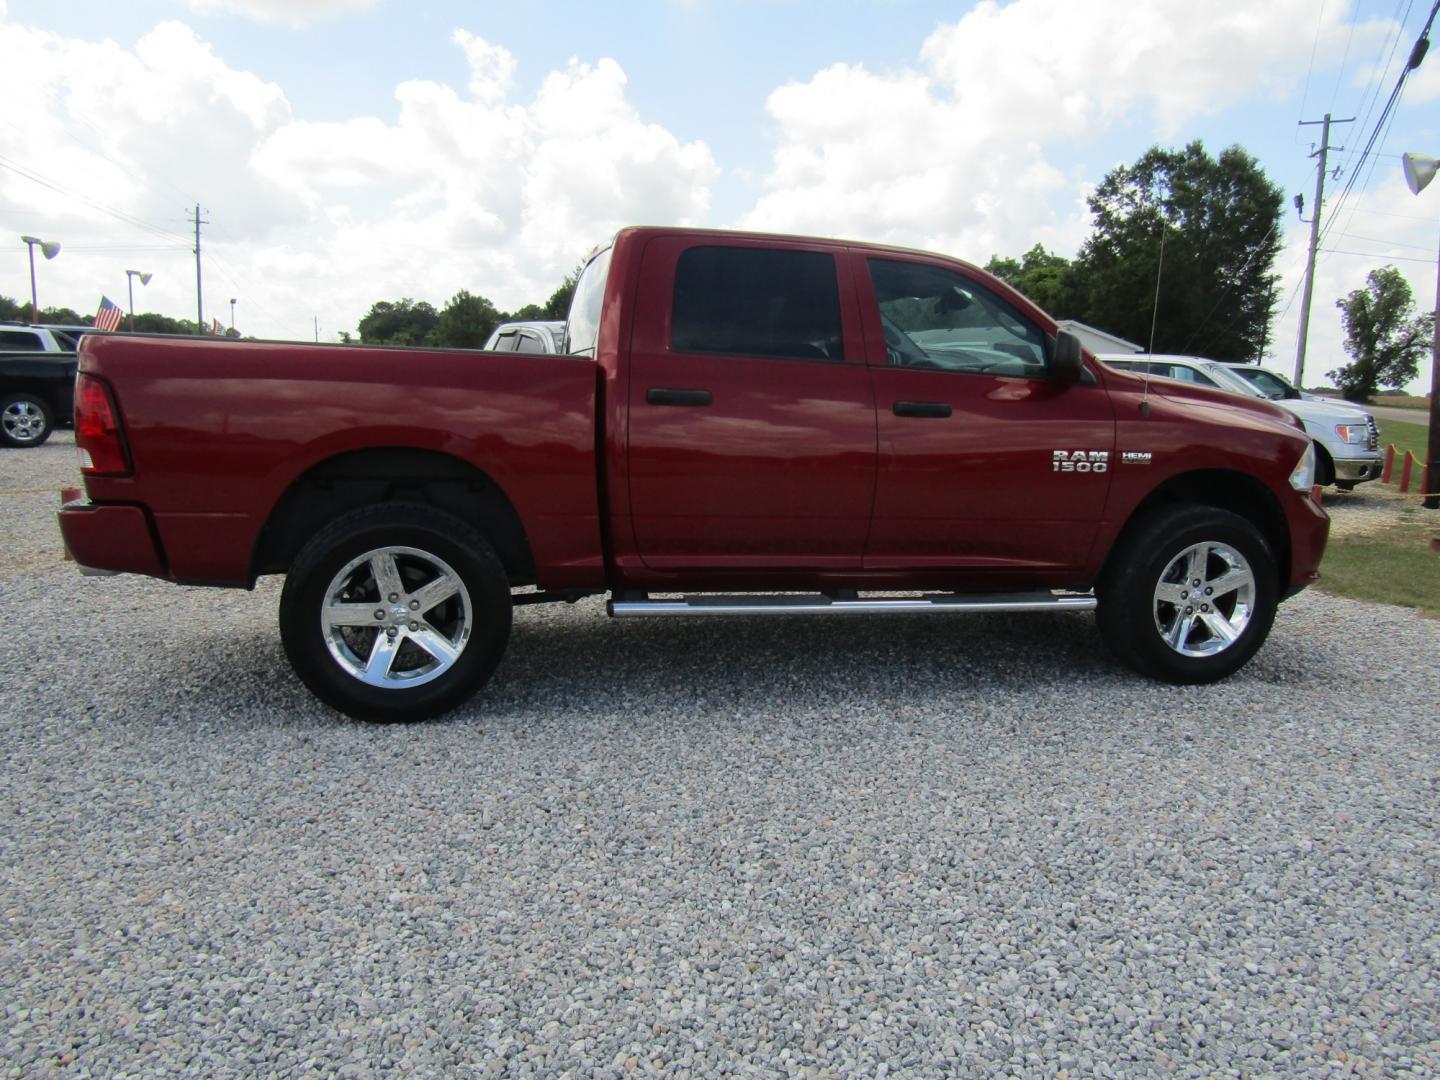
{"x":956,"y":152}
{"x":472,"y":189}
{"x":287,"y":12}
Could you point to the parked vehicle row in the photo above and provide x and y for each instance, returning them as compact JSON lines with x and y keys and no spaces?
{"x":1346,"y":436}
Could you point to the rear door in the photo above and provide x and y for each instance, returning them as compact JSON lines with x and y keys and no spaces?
{"x":751,"y":418}
{"x":985,"y":463}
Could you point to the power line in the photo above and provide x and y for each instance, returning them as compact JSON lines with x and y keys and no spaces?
{"x":1377,"y":240}
{"x":1380,"y":255}
{"x":1417,"y":54}
{"x":70,"y":193}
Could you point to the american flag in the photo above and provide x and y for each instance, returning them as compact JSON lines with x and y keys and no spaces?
{"x":109,"y":315}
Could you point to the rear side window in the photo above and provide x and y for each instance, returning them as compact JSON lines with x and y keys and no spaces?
{"x":757,"y":302}
{"x":530,"y":343}
{"x":19,"y":339}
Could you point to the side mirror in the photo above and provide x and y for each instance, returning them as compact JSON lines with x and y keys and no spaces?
{"x":1067,"y":365}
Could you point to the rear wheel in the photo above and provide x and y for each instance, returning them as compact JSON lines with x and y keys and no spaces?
{"x":25,"y":420}
{"x":395,"y":612}
{"x":1189,"y":595}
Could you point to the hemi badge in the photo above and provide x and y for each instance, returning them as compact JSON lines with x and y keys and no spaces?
{"x":1135,"y":457}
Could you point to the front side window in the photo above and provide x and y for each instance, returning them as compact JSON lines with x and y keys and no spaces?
{"x":757,"y":302}
{"x":530,"y":343}
{"x":936,"y":318}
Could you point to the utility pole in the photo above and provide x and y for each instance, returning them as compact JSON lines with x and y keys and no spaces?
{"x":199,"y":303}
{"x":1324,"y":150}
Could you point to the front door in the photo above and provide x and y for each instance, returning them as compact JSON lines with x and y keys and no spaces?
{"x":985,"y":463}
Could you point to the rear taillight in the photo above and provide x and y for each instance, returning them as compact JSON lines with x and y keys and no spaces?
{"x":98,"y":434}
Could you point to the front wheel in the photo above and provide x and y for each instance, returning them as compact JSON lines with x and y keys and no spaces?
{"x":395,"y":612}
{"x":25,"y":420}
{"x":1189,"y":595}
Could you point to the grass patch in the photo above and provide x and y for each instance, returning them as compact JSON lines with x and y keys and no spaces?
{"x":1391,"y":567}
{"x":1405,"y":436}
{"x":1401,"y":402}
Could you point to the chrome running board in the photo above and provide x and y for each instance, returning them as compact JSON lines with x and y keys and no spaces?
{"x":789,"y":604}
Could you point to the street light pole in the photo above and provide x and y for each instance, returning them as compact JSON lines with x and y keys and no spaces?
{"x":130,"y":276}
{"x":232,"y":313}
{"x":48,"y":248}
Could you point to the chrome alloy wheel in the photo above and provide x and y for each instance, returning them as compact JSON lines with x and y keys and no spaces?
{"x":396,"y":617}
{"x":1204,"y":599}
{"x":23,"y":421}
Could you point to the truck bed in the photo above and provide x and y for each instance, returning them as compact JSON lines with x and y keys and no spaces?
{"x":220,"y":431}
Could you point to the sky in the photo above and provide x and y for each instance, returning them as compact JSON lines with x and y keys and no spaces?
{"x":349,"y":151}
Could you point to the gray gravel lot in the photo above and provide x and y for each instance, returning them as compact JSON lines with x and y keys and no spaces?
{"x":914,"y":847}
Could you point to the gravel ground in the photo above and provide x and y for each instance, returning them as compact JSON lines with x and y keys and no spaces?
{"x":915,"y":847}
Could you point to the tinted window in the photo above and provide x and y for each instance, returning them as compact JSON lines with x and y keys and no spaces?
{"x":582,"y":330}
{"x":1273,"y":387}
{"x":529,"y":343}
{"x":757,"y":302}
{"x":18,"y":339}
{"x":937,"y":318}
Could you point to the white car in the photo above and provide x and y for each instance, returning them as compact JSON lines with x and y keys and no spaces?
{"x":531,"y":337}
{"x":1346,"y":438}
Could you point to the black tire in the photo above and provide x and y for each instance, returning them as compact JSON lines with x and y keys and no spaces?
{"x":1324,"y":466}
{"x":1346,"y":485}
{"x":1144,"y":606}
{"x":414,"y":545}
{"x":25,"y":420}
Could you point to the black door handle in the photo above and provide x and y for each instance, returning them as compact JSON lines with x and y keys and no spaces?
{"x":921,"y":408}
{"x":657,"y":396}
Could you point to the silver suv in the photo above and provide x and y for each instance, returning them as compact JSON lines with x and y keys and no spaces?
{"x":1346,"y":439}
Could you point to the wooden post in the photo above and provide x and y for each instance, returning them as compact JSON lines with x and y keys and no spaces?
{"x":1405,"y":471}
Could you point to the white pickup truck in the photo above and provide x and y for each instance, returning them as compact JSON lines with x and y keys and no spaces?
{"x":1346,"y":438}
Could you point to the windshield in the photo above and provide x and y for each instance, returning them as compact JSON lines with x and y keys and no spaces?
{"x":1228,"y":380}
{"x":1276,"y":388}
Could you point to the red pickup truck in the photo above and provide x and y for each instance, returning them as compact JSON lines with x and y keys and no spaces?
{"x":770,"y":425}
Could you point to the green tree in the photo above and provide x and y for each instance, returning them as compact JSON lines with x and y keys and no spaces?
{"x":464,"y":323}
{"x":399,"y":322}
{"x":1383,"y":335}
{"x":148,"y":322}
{"x":558,"y":306}
{"x":1220,"y":222}
{"x":1041,"y":275}
{"x":19,"y":311}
